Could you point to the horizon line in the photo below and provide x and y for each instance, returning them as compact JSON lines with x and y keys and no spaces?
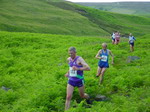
{"x":103,"y":1}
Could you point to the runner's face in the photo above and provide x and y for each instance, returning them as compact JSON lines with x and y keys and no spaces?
{"x":72,"y":54}
{"x":104,"y":47}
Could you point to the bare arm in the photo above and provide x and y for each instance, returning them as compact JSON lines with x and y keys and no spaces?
{"x":98,"y":55}
{"x":67,"y":74}
{"x":83,"y":63}
{"x":128,"y":41}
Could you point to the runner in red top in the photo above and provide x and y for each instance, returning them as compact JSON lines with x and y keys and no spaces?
{"x":117,"y":37}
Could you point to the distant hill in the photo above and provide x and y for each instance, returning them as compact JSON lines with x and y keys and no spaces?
{"x":134,"y":8}
{"x":46,"y":16}
{"x":42,"y":16}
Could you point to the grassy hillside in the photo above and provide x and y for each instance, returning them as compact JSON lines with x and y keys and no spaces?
{"x":45,"y":16}
{"x":34,"y":39}
{"x":119,"y":22}
{"x":32,"y":66}
{"x":41,"y":16}
{"x":133,"y":8}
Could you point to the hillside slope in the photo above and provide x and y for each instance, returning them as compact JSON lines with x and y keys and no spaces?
{"x":41,"y":16}
{"x":133,"y":8}
{"x":45,"y":16}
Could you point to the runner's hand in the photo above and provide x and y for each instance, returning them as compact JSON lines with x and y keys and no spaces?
{"x":101,"y":58}
{"x":66,"y":75}
{"x":74,"y":68}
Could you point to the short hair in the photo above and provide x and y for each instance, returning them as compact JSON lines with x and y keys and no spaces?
{"x":104,"y":44}
{"x":72,"y":49}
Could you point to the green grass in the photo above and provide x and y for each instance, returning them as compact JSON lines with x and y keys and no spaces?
{"x":33,"y":65}
{"x":123,"y":11}
{"x":33,"y":57}
{"x":44,"y":16}
{"x":119,"y":22}
{"x":132,"y":8}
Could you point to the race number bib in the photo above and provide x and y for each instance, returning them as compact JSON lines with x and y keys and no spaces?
{"x":72,"y":73}
{"x":104,"y":58}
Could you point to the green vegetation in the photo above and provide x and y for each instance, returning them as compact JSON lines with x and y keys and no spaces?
{"x":123,"y":23}
{"x":45,"y":16}
{"x":134,"y":8}
{"x":41,"y":16}
{"x":33,"y":65}
{"x":34,"y":39}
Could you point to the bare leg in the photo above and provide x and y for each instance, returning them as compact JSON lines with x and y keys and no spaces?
{"x":102,"y":74}
{"x":131,"y":48}
{"x":113,"y":42}
{"x":116,"y":42}
{"x":70,"y":90}
{"x":82,"y":94}
{"x":98,"y":71}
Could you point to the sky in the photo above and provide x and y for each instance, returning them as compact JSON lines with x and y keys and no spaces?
{"x":107,"y":0}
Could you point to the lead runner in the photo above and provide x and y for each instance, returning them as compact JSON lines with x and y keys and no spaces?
{"x":75,"y":76}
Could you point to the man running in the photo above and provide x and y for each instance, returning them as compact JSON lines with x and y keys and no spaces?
{"x":131,"y":42}
{"x":103,"y":56}
{"x":113,"y":38}
{"x":75,"y":75}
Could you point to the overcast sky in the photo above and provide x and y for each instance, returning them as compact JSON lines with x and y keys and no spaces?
{"x":107,"y":0}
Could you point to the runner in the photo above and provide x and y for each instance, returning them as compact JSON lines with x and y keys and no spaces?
{"x":131,"y":42}
{"x":117,"y":37}
{"x":103,"y":56}
{"x":75,"y":76}
{"x":113,"y":38}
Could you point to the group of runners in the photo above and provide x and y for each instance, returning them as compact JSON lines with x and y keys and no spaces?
{"x":77,"y":65}
{"x":116,"y":39}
